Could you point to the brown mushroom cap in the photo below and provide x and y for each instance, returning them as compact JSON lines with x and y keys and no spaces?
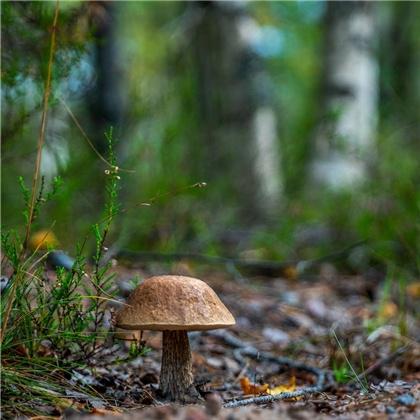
{"x":174,"y":303}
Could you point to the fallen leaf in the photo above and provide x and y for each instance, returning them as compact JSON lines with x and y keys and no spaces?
{"x":413,"y":290}
{"x":248,"y":388}
{"x":388,"y":310}
{"x":283,"y":388}
{"x":290,"y":272}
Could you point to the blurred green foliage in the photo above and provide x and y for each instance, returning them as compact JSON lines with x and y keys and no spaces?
{"x":161,"y":125}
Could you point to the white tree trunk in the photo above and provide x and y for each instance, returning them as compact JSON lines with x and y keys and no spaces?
{"x":344,"y":143}
{"x":267,"y":157}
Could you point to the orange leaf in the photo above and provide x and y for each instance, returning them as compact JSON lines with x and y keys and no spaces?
{"x":413,"y":290}
{"x":388,"y":310}
{"x":249,"y":388}
{"x":283,"y":388}
{"x":290,"y":272}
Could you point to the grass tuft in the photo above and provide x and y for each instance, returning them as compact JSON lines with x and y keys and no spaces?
{"x":53,"y":323}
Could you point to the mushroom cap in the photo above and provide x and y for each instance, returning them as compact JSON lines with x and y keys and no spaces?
{"x":174,"y":303}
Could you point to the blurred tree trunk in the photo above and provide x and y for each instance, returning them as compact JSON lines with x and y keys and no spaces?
{"x":105,"y":100}
{"x":238,"y":143}
{"x":400,"y":89}
{"x":344,"y":142}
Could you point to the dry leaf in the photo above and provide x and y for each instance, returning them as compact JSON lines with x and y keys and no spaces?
{"x":290,"y":272}
{"x":413,"y":290}
{"x":248,"y":388}
{"x":283,"y":388}
{"x":388,"y":310}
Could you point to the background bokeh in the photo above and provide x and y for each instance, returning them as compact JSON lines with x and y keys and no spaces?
{"x":236,"y":95}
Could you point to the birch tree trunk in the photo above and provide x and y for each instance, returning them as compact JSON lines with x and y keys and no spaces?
{"x":239,"y":134}
{"x":344,"y":142}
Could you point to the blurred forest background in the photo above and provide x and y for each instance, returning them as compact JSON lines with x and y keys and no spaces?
{"x":300,"y":117}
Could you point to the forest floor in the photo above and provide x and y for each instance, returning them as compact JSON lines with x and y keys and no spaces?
{"x":339,"y":324}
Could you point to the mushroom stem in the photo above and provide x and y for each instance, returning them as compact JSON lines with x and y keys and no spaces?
{"x":176,"y":378}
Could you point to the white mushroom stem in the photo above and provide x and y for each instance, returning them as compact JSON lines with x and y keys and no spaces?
{"x":176,"y":378}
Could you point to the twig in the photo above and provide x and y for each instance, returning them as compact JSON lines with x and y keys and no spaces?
{"x":243,"y":349}
{"x":86,"y":137}
{"x":266,"y":267}
{"x":264,"y":399}
{"x":378,"y":364}
{"x":41,"y":137}
{"x":115,"y":249}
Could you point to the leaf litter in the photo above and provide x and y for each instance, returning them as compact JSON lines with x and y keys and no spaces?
{"x":282,"y":344}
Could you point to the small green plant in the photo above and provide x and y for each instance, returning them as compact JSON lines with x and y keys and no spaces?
{"x":51,"y":326}
{"x":387,"y":311}
{"x":138,"y":349}
{"x":341,"y":372}
{"x":100,"y":279}
{"x":346,"y":371}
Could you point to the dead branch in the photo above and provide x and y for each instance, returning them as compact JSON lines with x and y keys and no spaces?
{"x":380,"y":363}
{"x":260,"y":267}
{"x":244,"y":349}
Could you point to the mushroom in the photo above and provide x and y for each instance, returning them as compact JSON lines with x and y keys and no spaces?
{"x":174,"y":305}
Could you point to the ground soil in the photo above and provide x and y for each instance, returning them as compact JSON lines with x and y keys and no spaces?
{"x":335,"y":322}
